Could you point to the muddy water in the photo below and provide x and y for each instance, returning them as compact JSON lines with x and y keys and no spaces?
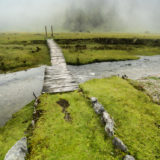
{"x":134,"y":69}
{"x":16,"y":89}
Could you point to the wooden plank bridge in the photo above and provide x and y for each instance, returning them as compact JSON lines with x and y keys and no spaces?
{"x":57,"y":77}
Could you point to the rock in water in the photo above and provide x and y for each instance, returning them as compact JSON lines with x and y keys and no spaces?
{"x":119,"y":144}
{"x":18,"y":151}
{"x":128,"y":157}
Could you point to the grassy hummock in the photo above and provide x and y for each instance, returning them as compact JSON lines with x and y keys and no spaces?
{"x":84,"y":48}
{"x":77,"y":132}
{"x":91,"y":35}
{"x":80,"y":135}
{"x":69,"y":129}
{"x":19,"y":51}
{"x":15,"y":129}
{"x":136,"y":117}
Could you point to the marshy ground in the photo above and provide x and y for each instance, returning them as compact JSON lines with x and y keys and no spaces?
{"x":84,"y":48}
{"x":67,"y":127}
{"x":19,"y":51}
{"x":22,"y":51}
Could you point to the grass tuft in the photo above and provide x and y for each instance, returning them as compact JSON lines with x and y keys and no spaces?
{"x":15,"y":129}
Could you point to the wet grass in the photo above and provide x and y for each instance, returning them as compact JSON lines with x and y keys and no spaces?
{"x":84,"y":48}
{"x":137,"y":121}
{"x":15,"y":129}
{"x":91,"y":56}
{"x":69,"y":128}
{"x":137,"y":118}
{"x":79,"y":137}
{"x":22,"y":51}
{"x":82,"y":35}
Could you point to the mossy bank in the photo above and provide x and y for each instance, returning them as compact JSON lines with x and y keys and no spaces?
{"x":68,"y":128}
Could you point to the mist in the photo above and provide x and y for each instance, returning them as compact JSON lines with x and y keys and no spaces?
{"x":80,"y":16}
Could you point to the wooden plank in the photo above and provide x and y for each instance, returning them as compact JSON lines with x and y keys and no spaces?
{"x":57,"y":77}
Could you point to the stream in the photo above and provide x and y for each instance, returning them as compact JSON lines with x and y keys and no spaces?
{"x":16,"y":89}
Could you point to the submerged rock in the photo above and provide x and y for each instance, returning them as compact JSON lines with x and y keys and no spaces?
{"x":18,"y":151}
{"x":119,"y":144}
{"x":128,"y":157}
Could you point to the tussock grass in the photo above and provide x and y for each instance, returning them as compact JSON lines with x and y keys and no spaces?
{"x":84,"y":48}
{"x":91,"y":56}
{"x":22,"y":51}
{"x":18,"y":51}
{"x":82,"y":35}
{"x":15,"y":129}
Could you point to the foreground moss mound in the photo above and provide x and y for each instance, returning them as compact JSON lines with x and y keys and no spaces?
{"x":69,"y":129}
{"x":71,"y":133}
{"x":137,"y":118}
{"x":15,"y":129}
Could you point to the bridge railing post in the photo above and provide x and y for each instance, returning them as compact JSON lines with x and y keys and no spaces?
{"x":46,"y":33}
{"x":52,"y":31}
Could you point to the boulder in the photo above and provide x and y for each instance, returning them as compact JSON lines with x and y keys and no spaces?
{"x":109,"y":128}
{"x":119,"y":144}
{"x":93,"y":99}
{"x":98,"y":108}
{"x":128,"y":157}
{"x":18,"y":151}
{"x":106,"y":118}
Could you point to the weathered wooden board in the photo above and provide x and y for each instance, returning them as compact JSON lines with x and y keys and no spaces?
{"x":57,"y":77}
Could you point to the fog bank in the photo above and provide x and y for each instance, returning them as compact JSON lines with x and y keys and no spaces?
{"x":77,"y":16}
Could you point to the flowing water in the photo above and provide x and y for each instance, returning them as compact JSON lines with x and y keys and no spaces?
{"x":16,"y":89}
{"x":134,"y":69}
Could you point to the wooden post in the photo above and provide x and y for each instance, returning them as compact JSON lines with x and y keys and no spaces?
{"x":46,"y":32}
{"x":52,"y":31}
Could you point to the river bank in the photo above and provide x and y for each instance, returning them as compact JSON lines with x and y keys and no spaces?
{"x":16,"y":89}
{"x":81,"y":129}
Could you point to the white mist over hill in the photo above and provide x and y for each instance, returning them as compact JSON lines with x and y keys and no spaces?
{"x":84,"y":15}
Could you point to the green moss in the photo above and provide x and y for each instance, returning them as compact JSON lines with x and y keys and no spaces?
{"x":137,"y":118}
{"x":90,"y":56}
{"x":81,"y":138}
{"x":15,"y":129}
